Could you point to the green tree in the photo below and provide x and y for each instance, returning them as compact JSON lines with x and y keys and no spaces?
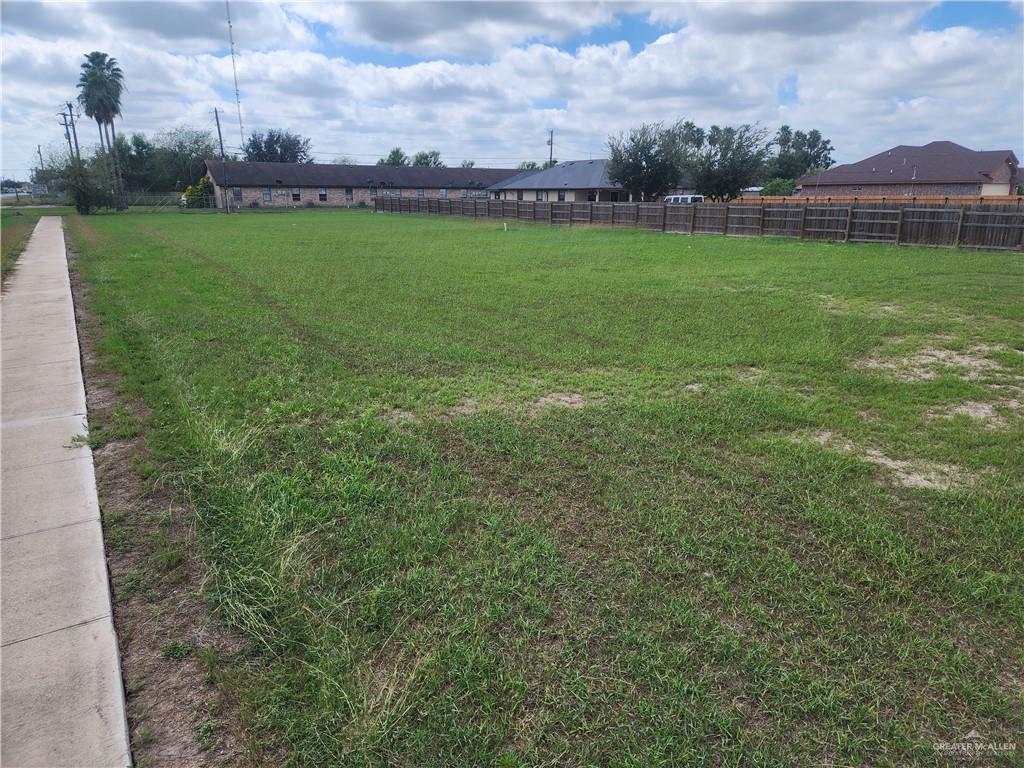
{"x":647,"y":161}
{"x":529,"y":165}
{"x":136,"y":155}
{"x":277,"y":146}
{"x":179,"y":158}
{"x":431,"y":159}
{"x":798,"y":154}
{"x":728,"y":160}
{"x":395,"y":157}
{"x":467,"y":163}
{"x":100,"y":86}
{"x":779,"y":188}
{"x":344,"y":160}
{"x":549,"y":164}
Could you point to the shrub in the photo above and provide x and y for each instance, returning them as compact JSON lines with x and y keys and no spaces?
{"x":197,"y":195}
{"x":89,"y":191}
{"x":779,"y":188}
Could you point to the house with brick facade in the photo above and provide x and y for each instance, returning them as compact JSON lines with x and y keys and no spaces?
{"x":310,"y":185}
{"x":940,"y":168}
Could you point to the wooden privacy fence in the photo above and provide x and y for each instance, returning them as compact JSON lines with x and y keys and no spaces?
{"x":996,"y":227}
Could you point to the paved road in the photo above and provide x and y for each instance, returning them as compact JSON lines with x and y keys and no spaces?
{"x":61,"y":698}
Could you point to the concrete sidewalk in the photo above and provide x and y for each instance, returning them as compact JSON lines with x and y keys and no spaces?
{"x":61,"y":698}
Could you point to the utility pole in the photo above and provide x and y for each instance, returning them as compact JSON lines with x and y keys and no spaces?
{"x":223,"y":161}
{"x":67,"y":133}
{"x":74,"y":133}
{"x":551,"y":147}
{"x":39,"y":149}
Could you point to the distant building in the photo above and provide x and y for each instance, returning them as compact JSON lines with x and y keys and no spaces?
{"x":297,"y":185}
{"x":940,"y":168}
{"x":573,"y":181}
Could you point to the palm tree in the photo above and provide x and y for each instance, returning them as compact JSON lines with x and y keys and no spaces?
{"x":100,"y":87}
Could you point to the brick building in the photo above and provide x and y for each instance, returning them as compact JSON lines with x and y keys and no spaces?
{"x":304,"y":185}
{"x":572,"y":181}
{"x":940,"y":168}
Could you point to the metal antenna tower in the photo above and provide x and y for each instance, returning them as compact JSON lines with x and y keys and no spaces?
{"x":234,"y":71}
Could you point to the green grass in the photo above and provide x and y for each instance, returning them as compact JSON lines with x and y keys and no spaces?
{"x":16,"y":225}
{"x":437,"y":563}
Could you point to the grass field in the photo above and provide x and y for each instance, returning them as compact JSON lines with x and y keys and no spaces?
{"x":16,"y":224}
{"x":586,"y":497}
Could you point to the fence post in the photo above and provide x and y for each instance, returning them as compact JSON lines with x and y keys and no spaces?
{"x":590,"y":213}
{"x":760,"y":220}
{"x":803,"y":222}
{"x":959,"y":228}
{"x":849,"y":218}
{"x":725,"y":227}
{"x":693,"y":216}
{"x":517,"y":210}
{"x":899,"y":224}
{"x":664,"y":214}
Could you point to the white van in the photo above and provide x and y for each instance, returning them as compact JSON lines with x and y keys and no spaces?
{"x":683,"y":199}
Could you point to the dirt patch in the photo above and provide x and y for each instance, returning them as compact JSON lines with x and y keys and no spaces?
{"x":572,"y":400}
{"x":695,"y":387}
{"x":467,"y":407}
{"x":750,"y":374}
{"x":836,"y":306}
{"x":169,"y":642}
{"x":926,"y":364}
{"x":916,"y":473}
{"x":987,"y":413}
{"x":400,"y":416}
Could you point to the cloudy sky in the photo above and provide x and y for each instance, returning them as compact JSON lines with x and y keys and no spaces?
{"x":485,"y":81}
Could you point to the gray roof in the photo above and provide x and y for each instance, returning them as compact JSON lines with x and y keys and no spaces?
{"x":574,"y":174}
{"x":243,"y":174}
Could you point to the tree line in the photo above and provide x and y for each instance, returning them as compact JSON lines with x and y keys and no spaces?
{"x":719,"y":162}
{"x":647,"y":161}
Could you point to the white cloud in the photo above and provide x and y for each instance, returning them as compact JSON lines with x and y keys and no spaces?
{"x":873,"y":81}
{"x":431,"y":28}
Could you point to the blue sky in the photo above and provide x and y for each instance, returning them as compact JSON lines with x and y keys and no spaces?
{"x":487,"y":80}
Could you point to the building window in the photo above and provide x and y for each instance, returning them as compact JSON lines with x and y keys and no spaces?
{"x":614,"y":197}
{"x":592,"y":196}
{"x":296,"y":194}
{"x":519,"y":194}
{"x":322,"y":194}
{"x":373,"y":191}
{"x":419,"y":193}
{"x":561,"y":195}
{"x":266,"y":194}
{"x":444,"y":193}
{"x":348,"y":194}
{"x":463,"y":193}
{"x":236,"y":193}
{"x":398,"y":193}
{"x":497,"y":195}
{"x":540,"y":196}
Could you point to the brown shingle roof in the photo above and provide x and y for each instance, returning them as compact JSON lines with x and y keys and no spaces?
{"x":243,"y":174}
{"x":939,"y":162}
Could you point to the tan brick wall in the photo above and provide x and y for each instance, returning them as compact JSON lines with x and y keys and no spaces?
{"x":551,"y":196}
{"x":895,"y":190}
{"x":281,"y":197}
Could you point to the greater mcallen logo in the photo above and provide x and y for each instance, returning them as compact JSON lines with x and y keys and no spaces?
{"x":975,"y":745}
